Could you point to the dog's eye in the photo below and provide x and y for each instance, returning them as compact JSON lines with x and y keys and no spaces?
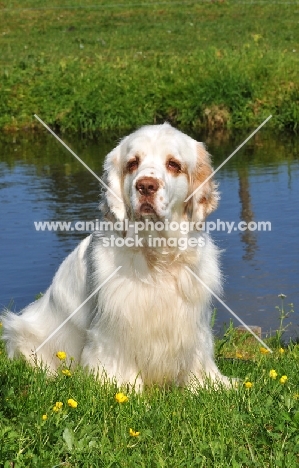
{"x":132,"y":165}
{"x":174,"y":166}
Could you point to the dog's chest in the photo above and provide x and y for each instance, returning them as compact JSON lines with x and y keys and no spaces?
{"x":155,"y":298}
{"x":159,"y":298}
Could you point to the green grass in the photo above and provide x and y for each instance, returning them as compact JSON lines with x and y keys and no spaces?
{"x":99,"y":66}
{"x":246,"y":427}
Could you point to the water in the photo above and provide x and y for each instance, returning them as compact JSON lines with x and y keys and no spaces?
{"x":40,"y":180}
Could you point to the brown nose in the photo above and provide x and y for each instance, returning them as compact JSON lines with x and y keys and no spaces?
{"x":147,"y":185}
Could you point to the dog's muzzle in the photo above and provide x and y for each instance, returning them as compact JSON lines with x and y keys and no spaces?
{"x":147,"y":187}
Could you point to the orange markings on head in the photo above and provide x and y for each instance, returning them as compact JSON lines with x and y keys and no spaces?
{"x":132,"y":165}
{"x":174,"y":166}
{"x":205,"y":199}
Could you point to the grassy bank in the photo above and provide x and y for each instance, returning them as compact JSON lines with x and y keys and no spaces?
{"x":71,"y":420}
{"x":100,"y":65}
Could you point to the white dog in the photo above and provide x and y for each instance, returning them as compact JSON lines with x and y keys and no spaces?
{"x":150,"y":322}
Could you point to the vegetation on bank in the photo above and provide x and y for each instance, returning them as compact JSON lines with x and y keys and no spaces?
{"x":72,"y":420}
{"x":100,"y":66}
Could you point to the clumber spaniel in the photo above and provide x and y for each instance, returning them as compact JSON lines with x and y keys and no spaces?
{"x":150,"y":322}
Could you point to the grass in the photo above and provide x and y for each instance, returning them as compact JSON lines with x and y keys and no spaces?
{"x":199,"y":64}
{"x":255,"y":425}
{"x":101,"y":66}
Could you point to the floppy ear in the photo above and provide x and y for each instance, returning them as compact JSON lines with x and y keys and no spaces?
{"x":111,"y":204}
{"x":206,"y":196}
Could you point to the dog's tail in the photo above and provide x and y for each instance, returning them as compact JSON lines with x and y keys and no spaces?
{"x":19,"y":335}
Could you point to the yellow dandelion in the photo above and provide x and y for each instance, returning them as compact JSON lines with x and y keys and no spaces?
{"x":281,"y":350}
{"x":133,"y":433}
{"x":72,"y":403}
{"x":44,"y":417}
{"x":264,"y":350}
{"x":121,"y":398}
{"x":239,"y":355}
{"x":58,"y":405}
{"x":283,"y":379}
{"x":273,"y":374}
{"x":248,"y":384}
{"x":61,"y":355}
{"x":66,"y":372}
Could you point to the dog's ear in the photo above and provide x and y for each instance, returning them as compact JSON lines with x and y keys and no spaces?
{"x":206,"y":196}
{"x":112,"y":200}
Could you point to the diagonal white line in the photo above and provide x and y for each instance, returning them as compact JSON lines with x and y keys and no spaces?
{"x":75,"y":311}
{"x":74,"y":154}
{"x":227,"y":159}
{"x":229,"y":309}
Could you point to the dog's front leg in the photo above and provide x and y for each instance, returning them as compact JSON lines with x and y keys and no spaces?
{"x":105,"y":358}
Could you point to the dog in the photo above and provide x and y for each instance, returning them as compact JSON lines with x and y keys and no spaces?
{"x":132,"y":302}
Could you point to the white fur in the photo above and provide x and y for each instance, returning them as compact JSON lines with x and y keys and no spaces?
{"x":150,"y":323}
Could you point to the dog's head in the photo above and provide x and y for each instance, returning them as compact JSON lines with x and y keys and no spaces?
{"x":152,"y":172}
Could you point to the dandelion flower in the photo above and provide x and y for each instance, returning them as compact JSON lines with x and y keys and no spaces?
{"x":58,"y":405}
{"x":121,"y":398}
{"x":248,"y":384}
{"x":66,"y":372}
{"x":72,"y":403}
{"x":264,"y":350}
{"x":273,"y":374}
{"x":44,"y":417}
{"x":133,"y":433}
{"x":61,"y":355}
{"x":283,"y":379}
{"x":281,"y":350}
{"x":239,"y":355}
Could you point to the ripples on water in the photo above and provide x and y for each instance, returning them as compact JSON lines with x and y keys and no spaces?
{"x":40,"y":180}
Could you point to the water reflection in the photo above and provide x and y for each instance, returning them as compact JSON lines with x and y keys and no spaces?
{"x":248,"y":237}
{"x":40,"y":180}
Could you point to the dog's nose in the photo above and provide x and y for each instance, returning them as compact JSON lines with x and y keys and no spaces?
{"x":147,"y":185}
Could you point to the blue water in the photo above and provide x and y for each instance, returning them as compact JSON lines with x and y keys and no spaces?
{"x":39,"y":180}
{"x":264,"y":264}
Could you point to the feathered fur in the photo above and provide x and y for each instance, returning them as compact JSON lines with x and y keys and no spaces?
{"x":150,"y":323}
